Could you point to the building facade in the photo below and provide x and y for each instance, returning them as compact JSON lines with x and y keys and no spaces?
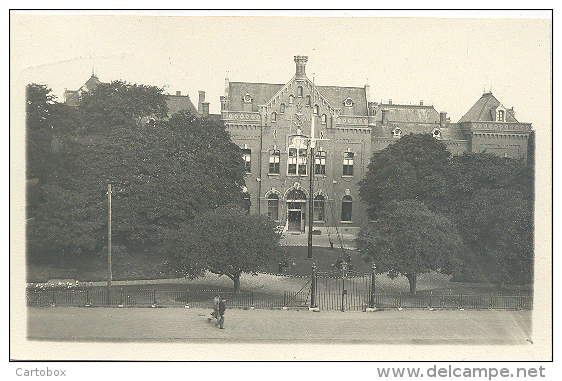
{"x":272,"y":124}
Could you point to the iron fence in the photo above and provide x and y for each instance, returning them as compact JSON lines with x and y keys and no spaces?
{"x":345,"y":299}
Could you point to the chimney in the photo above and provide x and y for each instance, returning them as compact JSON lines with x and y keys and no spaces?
{"x":205,"y":108}
{"x":201,"y":100}
{"x":442,"y":118}
{"x":226,"y":86}
{"x":384,"y":117}
{"x":421,"y":102}
{"x":300,"y":62}
{"x":178,"y":92}
{"x":390,"y":101}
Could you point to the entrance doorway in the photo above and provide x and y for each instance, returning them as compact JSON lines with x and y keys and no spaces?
{"x":295,"y":216}
{"x":296,"y":210}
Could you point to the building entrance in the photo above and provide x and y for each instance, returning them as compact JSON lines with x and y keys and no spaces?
{"x":295,"y":216}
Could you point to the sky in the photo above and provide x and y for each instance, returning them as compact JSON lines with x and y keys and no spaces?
{"x":446,"y":59}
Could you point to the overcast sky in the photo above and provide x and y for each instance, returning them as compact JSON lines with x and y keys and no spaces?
{"x":443,"y":58}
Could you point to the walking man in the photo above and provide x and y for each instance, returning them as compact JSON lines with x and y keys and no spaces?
{"x":222,"y":309}
{"x":215,"y":313}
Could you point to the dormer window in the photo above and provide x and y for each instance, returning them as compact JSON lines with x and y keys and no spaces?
{"x":348,"y":102}
{"x":247,"y":98}
{"x":291,"y":99}
{"x":282,"y":108}
{"x":501,"y":116}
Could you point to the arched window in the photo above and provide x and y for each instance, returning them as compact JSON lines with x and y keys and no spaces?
{"x":274,"y":117}
{"x":273,"y":206}
{"x":291,"y":99}
{"x":346,"y":208}
{"x":316,"y":109}
{"x":299,"y":91}
{"x":282,"y":108}
{"x":348,"y":163}
{"x":319,"y":201}
{"x":324,"y":119}
{"x":308,"y":103}
{"x":247,"y":156}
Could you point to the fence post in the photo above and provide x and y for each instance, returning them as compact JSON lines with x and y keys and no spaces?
{"x":121,"y":297}
{"x":313,"y":287}
{"x":461,"y":304}
{"x":153,"y":298}
{"x":372,"y":299}
{"x":491,"y":301}
{"x":430,"y":301}
{"x":54,"y":299}
{"x":187,"y":299}
{"x":252,"y":300}
{"x":88,"y":297}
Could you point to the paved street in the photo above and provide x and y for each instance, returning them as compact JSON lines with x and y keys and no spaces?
{"x":279,"y":326}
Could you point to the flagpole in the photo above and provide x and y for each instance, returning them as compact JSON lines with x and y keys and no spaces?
{"x":311,"y":191}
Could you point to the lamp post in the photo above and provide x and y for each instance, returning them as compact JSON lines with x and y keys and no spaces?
{"x":109,"y":273}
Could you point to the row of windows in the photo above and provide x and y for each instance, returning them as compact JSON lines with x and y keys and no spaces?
{"x":297,"y":162}
{"x":323,"y":118}
{"x":318,"y":208}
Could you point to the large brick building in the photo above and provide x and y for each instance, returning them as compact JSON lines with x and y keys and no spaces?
{"x":272,"y":125}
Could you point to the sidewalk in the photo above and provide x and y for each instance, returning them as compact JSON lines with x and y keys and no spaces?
{"x":279,"y":326}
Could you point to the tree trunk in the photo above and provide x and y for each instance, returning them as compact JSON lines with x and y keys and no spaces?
{"x":236,"y":279}
{"x":413,"y":279}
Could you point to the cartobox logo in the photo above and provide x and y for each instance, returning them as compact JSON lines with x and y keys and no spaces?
{"x":40,"y":372}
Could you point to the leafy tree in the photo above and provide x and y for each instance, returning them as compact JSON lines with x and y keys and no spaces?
{"x":408,"y":239}
{"x":409,"y":169}
{"x":498,"y":226}
{"x":46,"y":120}
{"x":225,"y":241}
{"x":491,"y":198}
{"x":120,"y":103}
{"x":162,"y":175}
{"x":471,"y":172}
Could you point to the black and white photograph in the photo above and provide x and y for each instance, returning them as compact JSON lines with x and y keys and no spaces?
{"x":281,"y":186}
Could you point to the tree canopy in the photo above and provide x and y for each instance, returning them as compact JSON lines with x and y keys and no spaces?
{"x":163,"y":174}
{"x":409,"y":169}
{"x":226,"y":241}
{"x":409,"y":239}
{"x":119,"y":103}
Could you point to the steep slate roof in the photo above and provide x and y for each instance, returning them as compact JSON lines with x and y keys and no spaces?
{"x":180,"y":102}
{"x":482,"y":110}
{"x":408,"y":113}
{"x":74,"y":97}
{"x":337,"y":95}
{"x":260,"y":93}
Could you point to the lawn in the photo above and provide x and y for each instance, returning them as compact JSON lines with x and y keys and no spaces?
{"x":141,"y":269}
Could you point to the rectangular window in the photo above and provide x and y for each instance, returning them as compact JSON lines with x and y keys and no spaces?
{"x":274,"y":158}
{"x":320,"y":163}
{"x":292,"y":162}
{"x":247,"y":156}
{"x":348,"y":163}
{"x":302,"y":161}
